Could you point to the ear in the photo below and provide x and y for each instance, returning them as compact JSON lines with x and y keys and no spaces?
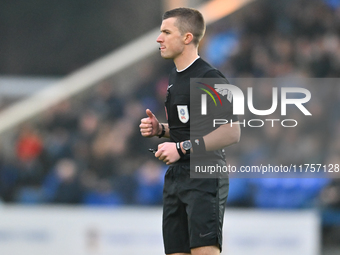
{"x":188,"y":37}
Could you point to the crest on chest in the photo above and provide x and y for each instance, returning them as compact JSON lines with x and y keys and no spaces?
{"x":183,"y":113}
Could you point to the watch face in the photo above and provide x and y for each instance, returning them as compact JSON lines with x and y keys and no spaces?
{"x":186,"y":145}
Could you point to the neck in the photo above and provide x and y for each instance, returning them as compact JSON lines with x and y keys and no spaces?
{"x":185,"y":59}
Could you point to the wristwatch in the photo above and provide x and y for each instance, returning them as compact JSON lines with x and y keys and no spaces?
{"x":187,"y":146}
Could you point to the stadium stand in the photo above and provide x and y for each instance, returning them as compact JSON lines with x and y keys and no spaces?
{"x":82,"y":145}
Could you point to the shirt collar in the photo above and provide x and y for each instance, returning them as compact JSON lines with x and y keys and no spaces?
{"x":187,"y":66}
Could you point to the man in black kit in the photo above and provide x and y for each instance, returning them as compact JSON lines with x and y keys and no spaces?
{"x":193,"y":208}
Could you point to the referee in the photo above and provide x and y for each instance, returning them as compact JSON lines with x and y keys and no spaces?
{"x":193,"y":208}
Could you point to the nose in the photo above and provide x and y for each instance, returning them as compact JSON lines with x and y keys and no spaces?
{"x":159,"y":38}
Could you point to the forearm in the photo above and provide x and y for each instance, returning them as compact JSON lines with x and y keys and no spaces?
{"x":223,"y":136}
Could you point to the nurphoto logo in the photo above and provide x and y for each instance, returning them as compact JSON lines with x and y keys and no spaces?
{"x":237,"y":98}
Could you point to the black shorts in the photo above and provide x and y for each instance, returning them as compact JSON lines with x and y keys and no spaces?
{"x":193,"y":210}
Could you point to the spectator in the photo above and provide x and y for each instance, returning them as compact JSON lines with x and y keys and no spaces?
{"x":149,"y":178}
{"x":63,"y":184}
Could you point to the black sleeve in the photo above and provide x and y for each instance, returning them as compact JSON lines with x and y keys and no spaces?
{"x":222,"y":107}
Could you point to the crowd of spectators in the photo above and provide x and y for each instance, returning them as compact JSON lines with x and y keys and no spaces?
{"x":88,"y":150}
{"x":288,"y":41}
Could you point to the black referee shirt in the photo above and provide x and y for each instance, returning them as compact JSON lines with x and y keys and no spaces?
{"x":183,"y":105}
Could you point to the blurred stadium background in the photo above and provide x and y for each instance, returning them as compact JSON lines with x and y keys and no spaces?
{"x":76,"y":77}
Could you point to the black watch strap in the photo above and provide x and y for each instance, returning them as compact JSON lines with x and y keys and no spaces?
{"x":179,"y":150}
{"x":163,"y":131}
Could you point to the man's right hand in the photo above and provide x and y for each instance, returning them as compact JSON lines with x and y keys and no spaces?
{"x":150,"y":126}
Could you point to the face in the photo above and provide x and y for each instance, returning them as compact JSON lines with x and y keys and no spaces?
{"x":171,"y":41}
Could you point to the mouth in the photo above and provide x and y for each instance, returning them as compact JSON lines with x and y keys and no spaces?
{"x":161,"y":47}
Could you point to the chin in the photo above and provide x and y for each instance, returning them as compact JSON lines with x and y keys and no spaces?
{"x":166,"y":56}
